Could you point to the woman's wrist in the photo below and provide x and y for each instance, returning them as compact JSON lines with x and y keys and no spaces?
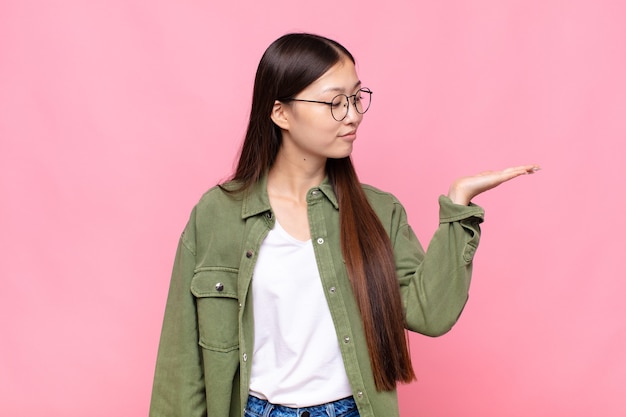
{"x":458,"y":196}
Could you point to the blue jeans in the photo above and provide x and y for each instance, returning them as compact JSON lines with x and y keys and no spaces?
{"x":341,"y":408}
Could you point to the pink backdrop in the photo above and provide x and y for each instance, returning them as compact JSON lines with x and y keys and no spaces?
{"x":115,"y":115}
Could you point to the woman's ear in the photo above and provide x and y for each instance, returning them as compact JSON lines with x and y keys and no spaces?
{"x":279,"y":116}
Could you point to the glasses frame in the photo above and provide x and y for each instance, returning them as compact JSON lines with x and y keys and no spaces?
{"x":330,"y":103}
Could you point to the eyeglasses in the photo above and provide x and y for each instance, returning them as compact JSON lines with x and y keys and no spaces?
{"x":340,"y":104}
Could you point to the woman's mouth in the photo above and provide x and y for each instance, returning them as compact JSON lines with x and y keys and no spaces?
{"x":349,"y":136}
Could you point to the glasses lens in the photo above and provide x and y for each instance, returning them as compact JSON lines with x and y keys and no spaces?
{"x":362,"y":100}
{"x":339,"y":107}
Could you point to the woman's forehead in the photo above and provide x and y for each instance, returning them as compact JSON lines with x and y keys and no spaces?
{"x":340,"y":78}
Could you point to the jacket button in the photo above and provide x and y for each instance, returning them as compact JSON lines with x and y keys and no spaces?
{"x":219,"y":287}
{"x":359,"y":394}
{"x":320,"y":240}
{"x":249,"y":254}
{"x":346,"y":339}
{"x":245,"y":357}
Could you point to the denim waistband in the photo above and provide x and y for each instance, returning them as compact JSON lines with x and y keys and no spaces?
{"x":345,"y":407}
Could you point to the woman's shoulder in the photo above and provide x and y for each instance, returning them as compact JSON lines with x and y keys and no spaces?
{"x":375,"y":194}
{"x":384,"y":203}
{"x":223,"y":195}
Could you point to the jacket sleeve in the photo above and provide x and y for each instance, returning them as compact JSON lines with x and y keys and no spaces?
{"x":435,"y":284}
{"x":178,"y":389}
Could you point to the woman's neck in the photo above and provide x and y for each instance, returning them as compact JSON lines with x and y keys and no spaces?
{"x":292,"y":179}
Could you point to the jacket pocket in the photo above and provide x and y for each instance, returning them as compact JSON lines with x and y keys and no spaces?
{"x":217,"y":306}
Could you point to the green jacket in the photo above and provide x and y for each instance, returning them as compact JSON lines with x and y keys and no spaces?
{"x":205,"y":353}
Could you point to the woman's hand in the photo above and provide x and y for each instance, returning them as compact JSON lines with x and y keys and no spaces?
{"x":464,"y":189}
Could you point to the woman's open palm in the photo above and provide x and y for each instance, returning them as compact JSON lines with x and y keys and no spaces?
{"x":464,"y":189}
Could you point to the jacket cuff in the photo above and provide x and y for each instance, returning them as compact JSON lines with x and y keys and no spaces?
{"x":450,"y":212}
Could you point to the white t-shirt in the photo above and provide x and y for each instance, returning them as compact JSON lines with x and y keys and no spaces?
{"x":296,"y":361}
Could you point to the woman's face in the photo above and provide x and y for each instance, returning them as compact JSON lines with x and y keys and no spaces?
{"x":309,"y":129}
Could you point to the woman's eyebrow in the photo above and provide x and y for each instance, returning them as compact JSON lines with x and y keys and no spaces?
{"x":341,"y":90}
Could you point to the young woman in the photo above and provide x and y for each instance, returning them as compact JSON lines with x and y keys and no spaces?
{"x":293,"y":283}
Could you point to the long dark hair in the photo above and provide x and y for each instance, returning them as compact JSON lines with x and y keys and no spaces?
{"x":289,"y":65}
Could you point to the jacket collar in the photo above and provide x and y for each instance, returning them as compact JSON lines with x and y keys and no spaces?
{"x":256,"y":200}
{"x":328,"y":191}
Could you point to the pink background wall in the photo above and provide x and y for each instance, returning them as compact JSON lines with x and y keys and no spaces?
{"x":115,"y":115}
